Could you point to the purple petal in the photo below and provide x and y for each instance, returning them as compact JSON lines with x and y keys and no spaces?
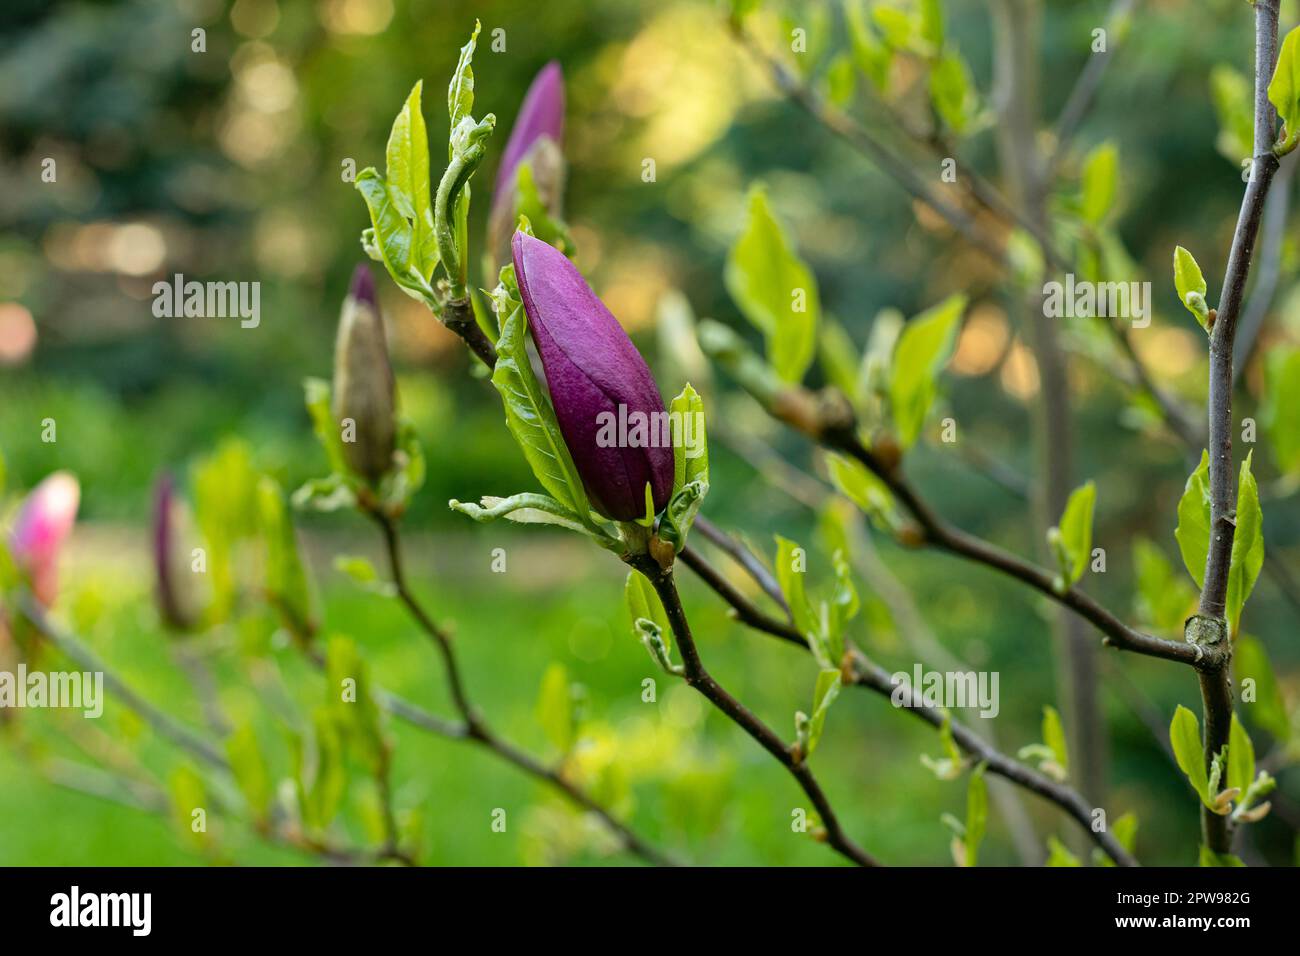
{"x":592,"y":368}
{"x":362,"y":287}
{"x":542,"y":114}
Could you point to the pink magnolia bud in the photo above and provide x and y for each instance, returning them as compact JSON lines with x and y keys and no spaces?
{"x":44,"y":521}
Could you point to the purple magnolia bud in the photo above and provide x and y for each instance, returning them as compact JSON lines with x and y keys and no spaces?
{"x":363,"y":403}
{"x":44,"y":522}
{"x":536,"y":139}
{"x":174,"y":590}
{"x":597,"y":379}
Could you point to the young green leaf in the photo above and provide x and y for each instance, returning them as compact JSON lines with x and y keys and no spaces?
{"x":250,"y":770}
{"x":1075,"y":532}
{"x":1247,"y":545}
{"x":407,"y":175}
{"x":555,"y":712}
{"x":871,"y":55}
{"x":1193,"y":531}
{"x":643,"y":603}
{"x":1185,"y":738}
{"x":1191,"y":287}
{"x":1059,"y":855}
{"x":460,"y":94}
{"x":791,"y":565}
{"x":824,"y":694}
{"x":1241,"y":757}
{"x":977,"y":813}
{"x":1284,"y":90}
{"x":932,"y":23}
{"x":923,"y":349}
{"x":1280,"y":414}
{"x":1164,"y":598}
{"x":286,"y":579}
{"x":1097,"y":183}
{"x":690,"y":441}
{"x":394,"y":237}
{"x":1209,"y":858}
{"x":951,"y":91}
{"x":774,"y":289}
{"x":531,"y":419}
{"x":1254,"y":675}
{"x":1232,"y":95}
{"x":1054,"y":738}
{"x":350,"y":700}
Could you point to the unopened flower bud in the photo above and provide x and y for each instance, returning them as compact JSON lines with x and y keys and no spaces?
{"x":363,"y":400}
{"x":179,"y":603}
{"x":536,"y":139}
{"x":44,"y":522}
{"x":593,"y":372}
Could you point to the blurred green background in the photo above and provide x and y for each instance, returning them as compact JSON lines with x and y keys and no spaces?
{"x":228,"y":165}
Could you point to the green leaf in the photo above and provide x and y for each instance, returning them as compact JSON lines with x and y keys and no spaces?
{"x":286,"y":578}
{"x":679,"y":514}
{"x":460,"y":94}
{"x":655,"y":640}
{"x":406,"y":476}
{"x":407,"y":175}
{"x":350,"y":701}
{"x":898,"y":27}
{"x":1280,"y":414}
{"x":824,"y":694}
{"x":932,"y":23}
{"x":775,"y":290}
{"x":1125,"y":831}
{"x":923,"y":349}
{"x":1191,"y":286}
{"x":1185,"y":738}
{"x":872,"y":56}
{"x":187,"y":793}
{"x":226,"y":509}
{"x":250,"y":770}
{"x":363,"y":574}
{"x":790,"y":556}
{"x":1262,"y":699}
{"x":977,"y":813}
{"x":1165,"y":599}
{"x":1054,"y":738}
{"x":1097,"y":183}
{"x":642,"y":601}
{"x":525,"y":508}
{"x":555,"y":711}
{"x":1241,"y":757}
{"x":690,"y":439}
{"x":840,"y":81}
{"x":1193,"y":531}
{"x":320,"y":800}
{"x":861,"y":486}
{"x":1209,"y":858}
{"x":1059,"y":855}
{"x":1076,"y":531}
{"x":1284,"y":89}
{"x":394,"y":236}
{"x":531,"y":419}
{"x":951,"y":91}
{"x":1247,"y":545}
{"x":1233,"y":102}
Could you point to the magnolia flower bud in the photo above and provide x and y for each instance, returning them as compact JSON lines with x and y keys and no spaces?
{"x":174,"y":584}
{"x":44,"y":522}
{"x":363,"y":401}
{"x":596,"y":379}
{"x":535,"y":139}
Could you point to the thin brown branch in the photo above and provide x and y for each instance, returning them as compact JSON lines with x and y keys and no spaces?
{"x":872,"y":677}
{"x":698,"y":677}
{"x":475,"y":728}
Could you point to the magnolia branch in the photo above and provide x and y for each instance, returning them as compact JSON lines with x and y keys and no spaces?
{"x":1209,"y":624}
{"x":698,"y":677}
{"x":474,"y":728}
{"x":871,"y":676}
